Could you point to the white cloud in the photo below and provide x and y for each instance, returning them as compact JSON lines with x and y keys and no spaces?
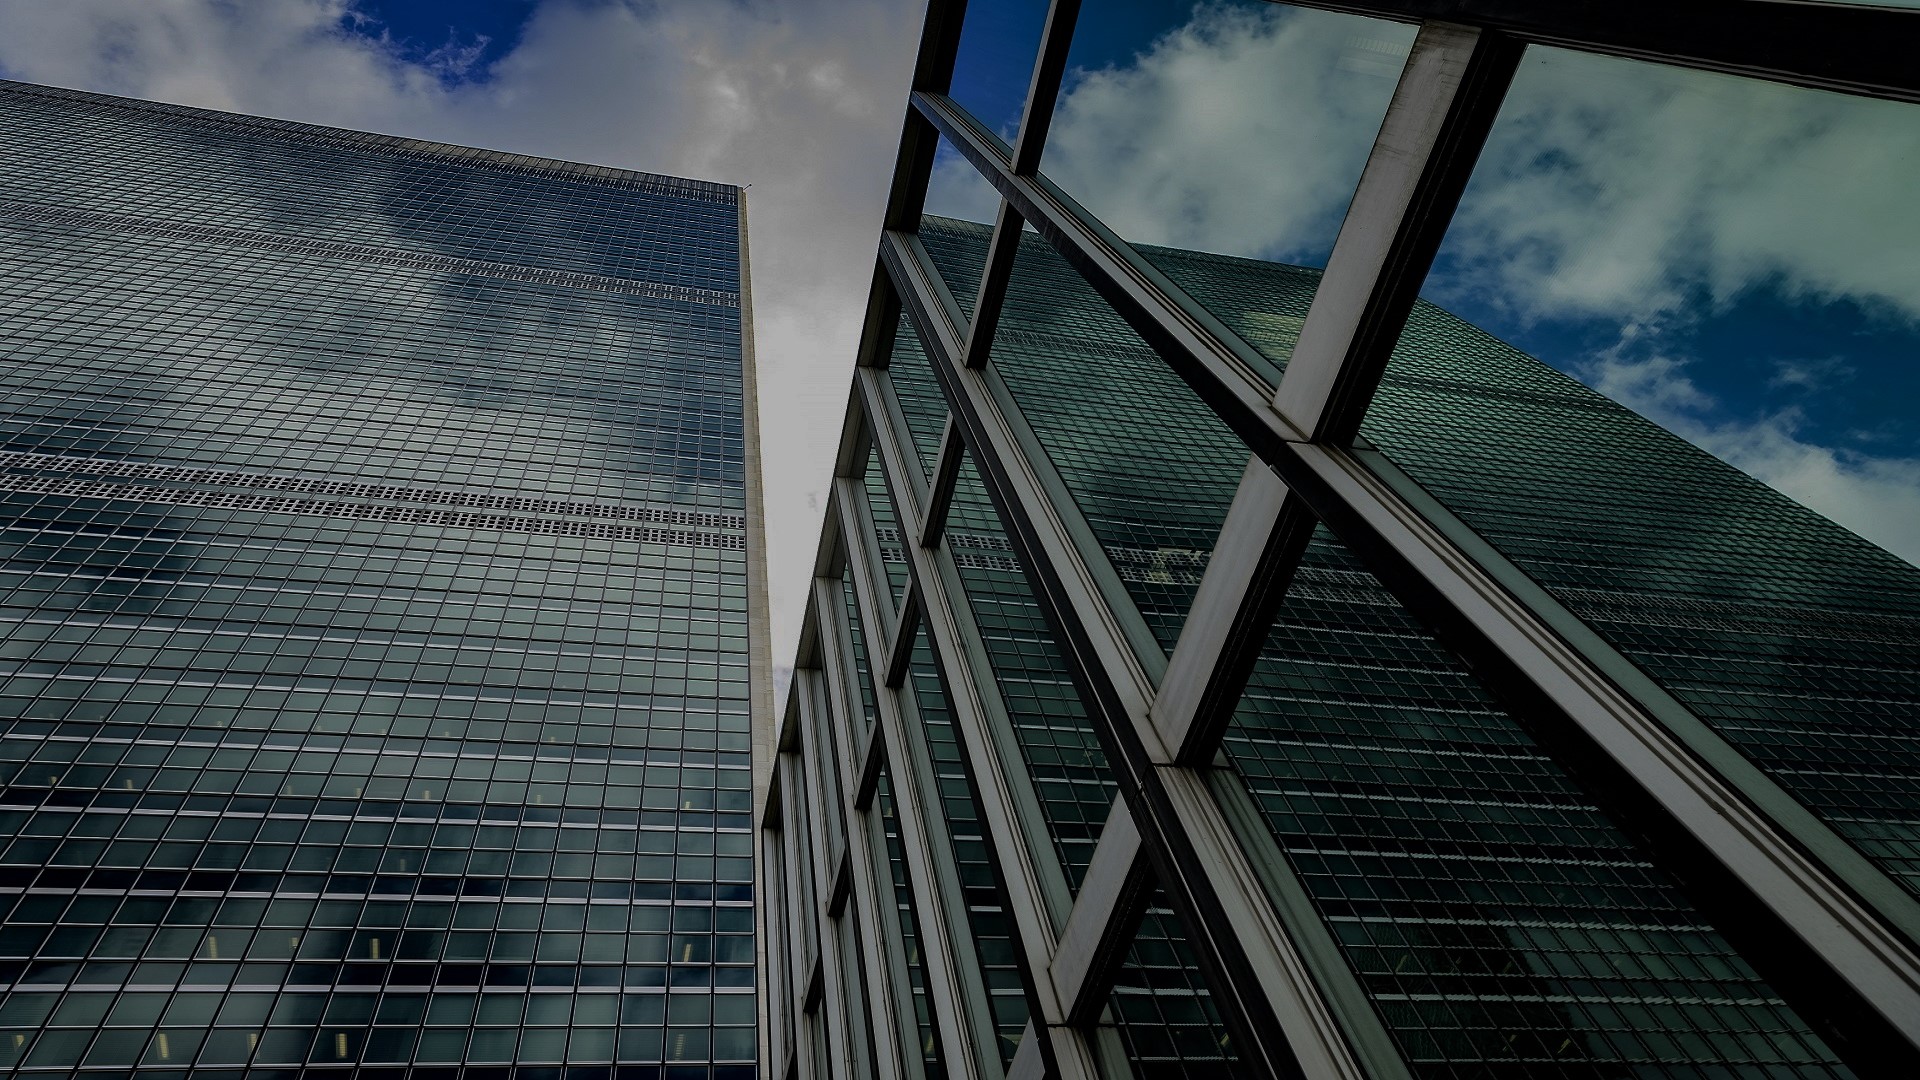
{"x":1241,"y":132}
{"x":1629,"y":190}
{"x":800,"y":98}
{"x":1876,"y":497}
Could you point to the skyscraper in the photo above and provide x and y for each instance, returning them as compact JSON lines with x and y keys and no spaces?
{"x":1217,"y":666}
{"x":380,"y":599}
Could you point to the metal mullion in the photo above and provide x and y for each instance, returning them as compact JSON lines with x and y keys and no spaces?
{"x":814,"y":711}
{"x":1000,"y":780}
{"x":956,"y":991}
{"x":898,"y":654}
{"x":932,"y":71}
{"x":1826,"y":952}
{"x":776,"y":953}
{"x":946,"y":473}
{"x":1043,"y":89}
{"x":883,"y":994}
{"x":1003,"y":247}
{"x":801,"y":958}
{"x":1854,"y":49}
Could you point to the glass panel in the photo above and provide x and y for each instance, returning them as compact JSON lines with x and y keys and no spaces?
{"x":853,"y":993}
{"x":1063,"y":757}
{"x":914,"y":385}
{"x":1234,"y":128}
{"x":1161,"y":1009}
{"x":957,"y":190}
{"x":1502,"y":923}
{"x":1688,"y":247}
{"x":1154,"y":489}
{"x":909,"y":928}
{"x":986,"y":908}
{"x":886,"y":527}
{"x":994,"y":64}
{"x":862,"y":674}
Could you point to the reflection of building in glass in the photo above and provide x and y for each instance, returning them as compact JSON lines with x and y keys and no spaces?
{"x":1188,"y":690}
{"x":374,"y":688}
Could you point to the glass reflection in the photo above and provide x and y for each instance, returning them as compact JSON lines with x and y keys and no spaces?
{"x":1232,"y":128}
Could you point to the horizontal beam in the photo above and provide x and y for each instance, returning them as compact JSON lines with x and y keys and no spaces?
{"x":1858,"y":49}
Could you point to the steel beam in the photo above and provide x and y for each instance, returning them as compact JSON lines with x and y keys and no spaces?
{"x":1032,"y":883}
{"x":1442,"y":108}
{"x":1280,"y":1021}
{"x":1105,"y":919}
{"x":824,"y":822}
{"x":946,"y":473}
{"x":1856,"y":48}
{"x":1260,"y":544}
{"x":1822,"y":977}
{"x":956,"y":992}
{"x":1043,"y":89}
{"x":888,"y":1021}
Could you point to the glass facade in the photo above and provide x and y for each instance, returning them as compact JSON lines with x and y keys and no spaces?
{"x":374,"y":622}
{"x":1285,"y":645}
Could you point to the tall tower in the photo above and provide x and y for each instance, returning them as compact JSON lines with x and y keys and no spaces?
{"x":380,"y":604}
{"x":1231,"y":666}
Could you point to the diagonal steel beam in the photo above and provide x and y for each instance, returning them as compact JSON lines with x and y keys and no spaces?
{"x":1260,"y":544}
{"x":1105,"y":919}
{"x":1443,"y":106}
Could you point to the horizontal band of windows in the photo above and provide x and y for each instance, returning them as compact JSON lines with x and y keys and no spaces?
{"x":42,"y":214}
{"x":275,"y":504}
{"x":133,"y":471}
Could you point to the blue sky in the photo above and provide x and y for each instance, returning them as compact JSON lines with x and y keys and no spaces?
{"x":479,"y":32}
{"x":1736,"y":261}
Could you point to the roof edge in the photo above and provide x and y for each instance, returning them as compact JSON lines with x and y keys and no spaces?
{"x":296,"y":131}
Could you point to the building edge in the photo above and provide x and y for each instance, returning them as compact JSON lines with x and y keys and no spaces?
{"x":760,"y":714}
{"x":373,"y":141}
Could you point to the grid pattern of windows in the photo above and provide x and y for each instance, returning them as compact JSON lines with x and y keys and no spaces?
{"x":992,"y":924}
{"x":1154,"y":499}
{"x":1064,"y":761}
{"x":373,"y":608}
{"x":1502,"y":925}
{"x":1161,"y":1008}
{"x":1792,"y":638}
